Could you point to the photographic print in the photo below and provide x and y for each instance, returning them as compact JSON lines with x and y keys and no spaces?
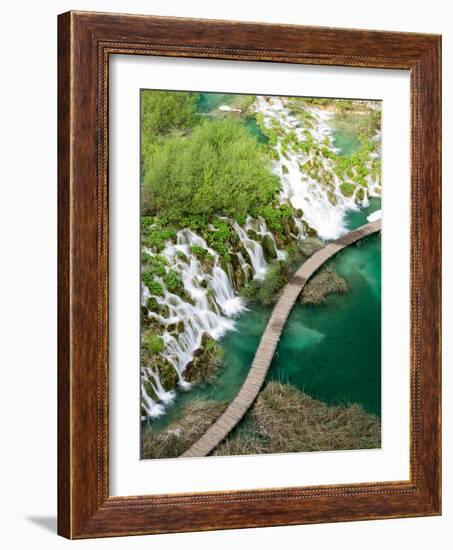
{"x":260,"y":274}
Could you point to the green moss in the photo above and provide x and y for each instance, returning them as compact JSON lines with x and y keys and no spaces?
{"x":154,"y":264}
{"x":153,"y":285}
{"x":153,"y":342}
{"x":199,"y":251}
{"x":173,"y":282}
{"x":268,"y":248}
{"x":180,"y":254}
{"x":155,"y":307}
{"x":347,"y":189}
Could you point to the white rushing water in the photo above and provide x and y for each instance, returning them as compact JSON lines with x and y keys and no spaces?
{"x":326,"y":216}
{"x":211,"y":302}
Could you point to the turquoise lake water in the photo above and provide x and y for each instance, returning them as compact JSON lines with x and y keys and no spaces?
{"x":332,"y":351}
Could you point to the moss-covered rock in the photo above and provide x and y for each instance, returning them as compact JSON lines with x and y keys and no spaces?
{"x":155,"y":307}
{"x":268,"y":248}
{"x":286,"y":228}
{"x":252,"y":234}
{"x":284,"y":169}
{"x":239,"y":278}
{"x":245,"y":254}
{"x":309,"y":230}
{"x":206,"y":361}
{"x":292,"y":225}
{"x":332,"y":197}
{"x":235,"y":261}
{"x":360,"y":194}
{"x":152,"y":342}
{"x":167,"y":373}
{"x":180,"y":255}
{"x":150,"y":390}
{"x":347,"y":189}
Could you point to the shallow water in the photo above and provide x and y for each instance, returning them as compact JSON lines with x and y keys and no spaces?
{"x":332,"y":351}
{"x":207,"y":102}
{"x":345,"y":134}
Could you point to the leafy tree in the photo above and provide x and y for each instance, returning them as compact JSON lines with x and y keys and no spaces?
{"x":218,"y":169}
{"x":164,"y":112}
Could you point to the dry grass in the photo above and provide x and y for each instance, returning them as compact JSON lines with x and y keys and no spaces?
{"x":182,"y":433}
{"x":283,"y":419}
{"x":323,"y":283}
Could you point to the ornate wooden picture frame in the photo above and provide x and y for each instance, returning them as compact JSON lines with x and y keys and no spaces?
{"x":85,"y":42}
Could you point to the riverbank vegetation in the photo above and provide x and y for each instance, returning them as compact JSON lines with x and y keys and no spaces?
{"x":283,"y":419}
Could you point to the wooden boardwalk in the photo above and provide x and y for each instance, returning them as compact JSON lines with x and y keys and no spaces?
{"x":269,"y":341}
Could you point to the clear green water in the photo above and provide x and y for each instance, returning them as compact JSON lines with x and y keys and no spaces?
{"x":207,"y":102}
{"x":239,"y":347}
{"x":331,"y":351}
{"x":357,"y":218}
{"x":345,"y":134}
{"x":254,"y":129}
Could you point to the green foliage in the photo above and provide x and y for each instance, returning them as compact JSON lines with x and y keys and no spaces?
{"x":153,"y":285}
{"x":199,"y":251}
{"x":219,"y":238}
{"x":173,"y":281}
{"x":218,"y":169}
{"x":274,"y":215}
{"x":155,"y":235}
{"x":266,"y":291}
{"x":155,"y":265}
{"x":162,"y":113}
{"x":153,"y":342}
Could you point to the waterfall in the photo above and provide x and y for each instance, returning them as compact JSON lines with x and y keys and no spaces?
{"x":323,"y":206}
{"x":261,"y":229}
{"x":300,"y":228}
{"x":254,"y":250}
{"x":211,"y":307}
{"x":153,"y":409}
{"x":244,"y":266}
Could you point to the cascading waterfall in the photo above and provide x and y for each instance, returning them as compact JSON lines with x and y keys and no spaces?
{"x":254,"y":250}
{"x":259,"y":226}
{"x":212,"y":306}
{"x":309,"y":195}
